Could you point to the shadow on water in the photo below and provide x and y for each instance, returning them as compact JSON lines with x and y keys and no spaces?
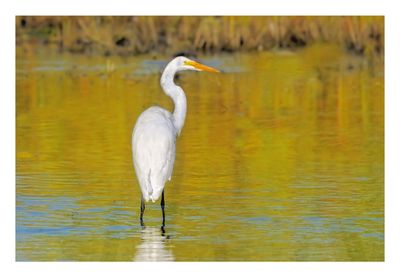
{"x":154,"y":246}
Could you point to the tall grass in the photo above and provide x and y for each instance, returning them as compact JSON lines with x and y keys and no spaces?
{"x":144,"y":34}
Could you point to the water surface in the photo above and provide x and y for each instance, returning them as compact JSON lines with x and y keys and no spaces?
{"x":280,"y":159}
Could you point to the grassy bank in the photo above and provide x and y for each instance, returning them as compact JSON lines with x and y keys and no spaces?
{"x":130,"y":35}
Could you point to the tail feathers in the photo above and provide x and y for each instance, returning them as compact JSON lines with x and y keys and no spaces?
{"x":154,"y":188}
{"x":153,"y":197}
{"x":149,"y":187}
{"x":151,"y":194}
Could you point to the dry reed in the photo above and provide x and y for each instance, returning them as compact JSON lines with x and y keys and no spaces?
{"x":147,"y":34}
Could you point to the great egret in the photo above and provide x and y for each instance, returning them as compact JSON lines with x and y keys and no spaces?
{"x":154,"y":136}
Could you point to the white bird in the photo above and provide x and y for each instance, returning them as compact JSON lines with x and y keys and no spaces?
{"x":154,"y":136}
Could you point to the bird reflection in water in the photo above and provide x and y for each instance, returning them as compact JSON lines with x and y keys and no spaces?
{"x":154,"y":246}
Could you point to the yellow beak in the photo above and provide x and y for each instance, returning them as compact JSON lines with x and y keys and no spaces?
{"x":201,"y":67}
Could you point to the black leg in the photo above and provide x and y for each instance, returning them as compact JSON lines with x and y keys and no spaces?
{"x":142,"y":208}
{"x":162,"y":208}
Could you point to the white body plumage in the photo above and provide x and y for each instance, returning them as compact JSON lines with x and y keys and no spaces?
{"x":153,"y":146}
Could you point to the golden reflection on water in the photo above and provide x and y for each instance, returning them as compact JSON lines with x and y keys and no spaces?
{"x":281,"y":158}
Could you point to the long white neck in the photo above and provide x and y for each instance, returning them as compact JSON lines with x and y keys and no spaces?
{"x":177,"y":94}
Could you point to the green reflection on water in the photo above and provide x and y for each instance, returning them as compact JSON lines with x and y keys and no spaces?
{"x":281,"y":158}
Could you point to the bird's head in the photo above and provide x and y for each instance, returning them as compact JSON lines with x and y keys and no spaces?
{"x":183,"y":63}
